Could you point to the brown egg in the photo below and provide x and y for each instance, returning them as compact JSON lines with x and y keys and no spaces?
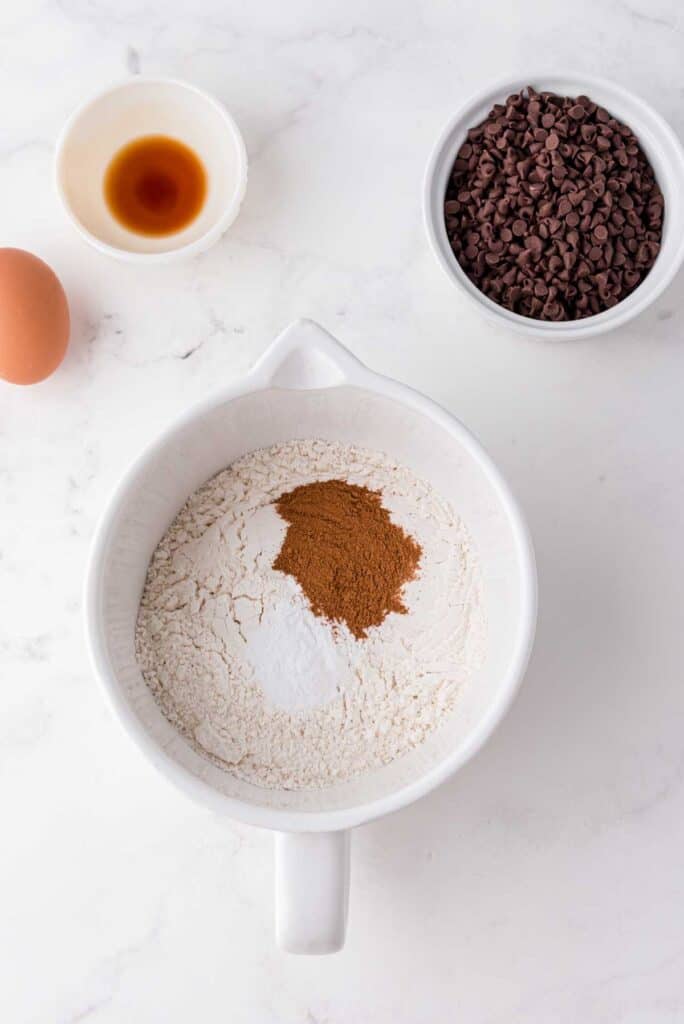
{"x":34,"y":318}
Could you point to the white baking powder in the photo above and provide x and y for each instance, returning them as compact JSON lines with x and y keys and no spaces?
{"x":294,"y":654}
{"x":257,"y":682}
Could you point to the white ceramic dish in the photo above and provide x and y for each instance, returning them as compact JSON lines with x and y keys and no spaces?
{"x":308,"y":385}
{"x":149,"y":106}
{"x":659,"y":143}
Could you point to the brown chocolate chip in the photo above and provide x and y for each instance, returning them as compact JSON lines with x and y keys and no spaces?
{"x":552,"y":208}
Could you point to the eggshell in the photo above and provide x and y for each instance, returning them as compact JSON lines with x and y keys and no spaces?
{"x":34,"y":318}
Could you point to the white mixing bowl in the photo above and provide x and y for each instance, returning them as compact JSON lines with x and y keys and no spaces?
{"x":658,"y":141}
{"x":307,"y":385}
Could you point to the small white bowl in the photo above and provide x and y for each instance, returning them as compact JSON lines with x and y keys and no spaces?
{"x":149,"y":106}
{"x":658,"y":141}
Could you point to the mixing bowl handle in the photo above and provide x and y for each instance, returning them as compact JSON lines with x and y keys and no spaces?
{"x":312,"y":891}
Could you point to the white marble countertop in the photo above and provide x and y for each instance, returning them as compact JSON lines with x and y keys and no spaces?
{"x":544,"y":882}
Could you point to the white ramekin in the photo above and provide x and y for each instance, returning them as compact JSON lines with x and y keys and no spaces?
{"x":660,"y":144}
{"x":149,"y":106}
{"x":308,"y":385}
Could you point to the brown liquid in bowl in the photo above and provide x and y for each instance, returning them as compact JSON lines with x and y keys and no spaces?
{"x":155,"y":185}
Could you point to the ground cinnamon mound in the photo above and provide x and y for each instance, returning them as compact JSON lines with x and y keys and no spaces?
{"x":348,"y":557}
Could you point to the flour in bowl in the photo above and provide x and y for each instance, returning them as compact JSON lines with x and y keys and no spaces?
{"x":252,"y":672}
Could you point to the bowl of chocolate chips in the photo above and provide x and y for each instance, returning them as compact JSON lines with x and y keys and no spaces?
{"x":557,"y":204}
